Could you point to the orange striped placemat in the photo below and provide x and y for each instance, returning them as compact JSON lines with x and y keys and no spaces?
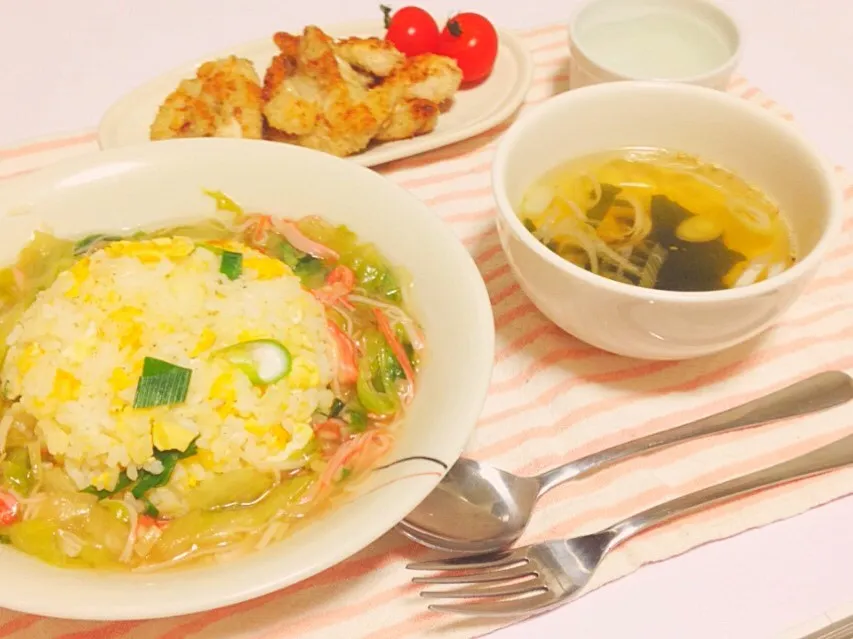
{"x":552,"y":399}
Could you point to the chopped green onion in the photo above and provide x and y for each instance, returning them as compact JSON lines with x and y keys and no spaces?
{"x":264,"y":361}
{"x":231,"y":265}
{"x":5,"y":539}
{"x":161,"y":384}
{"x":345,"y":472}
{"x":224,"y":203}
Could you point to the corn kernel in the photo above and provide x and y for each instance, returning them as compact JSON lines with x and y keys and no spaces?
{"x":206,"y":340}
{"x":171,"y":436}
{"x":699,"y":228}
{"x":265,"y":268}
{"x":206,"y":459}
{"x":281,"y":436}
{"x":65,"y":386}
{"x":28,"y":357}
{"x":255,"y":428}
{"x":303,"y":374}
{"x":119,"y":380}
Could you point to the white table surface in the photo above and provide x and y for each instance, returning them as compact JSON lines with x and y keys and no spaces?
{"x":62,"y":64}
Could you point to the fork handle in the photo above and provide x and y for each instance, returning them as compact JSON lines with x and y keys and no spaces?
{"x":835,"y":455}
{"x":818,"y":392}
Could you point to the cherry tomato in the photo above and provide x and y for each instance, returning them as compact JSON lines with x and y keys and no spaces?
{"x":472,"y":41}
{"x":411,"y":29}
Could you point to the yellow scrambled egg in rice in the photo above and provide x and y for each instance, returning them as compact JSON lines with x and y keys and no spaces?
{"x":76,"y":357}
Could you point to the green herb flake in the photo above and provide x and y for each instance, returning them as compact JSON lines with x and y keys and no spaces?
{"x":150,"y":509}
{"x":161,"y":384}
{"x":357,"y":421}
{"x":169,"y":458}
{"x":345,"y":472}
{"x":231,"y":264}
{"x":5,"y":539}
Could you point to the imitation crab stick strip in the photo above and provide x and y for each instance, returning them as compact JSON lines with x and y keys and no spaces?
{"x":303,"y":243}
{"x":394,"y":343}
{"x":347,"y":366}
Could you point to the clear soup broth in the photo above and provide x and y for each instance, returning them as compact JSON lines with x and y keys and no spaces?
{"x":658,"y":219}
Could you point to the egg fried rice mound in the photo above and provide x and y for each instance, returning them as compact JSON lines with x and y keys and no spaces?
{"x":75,"y":357}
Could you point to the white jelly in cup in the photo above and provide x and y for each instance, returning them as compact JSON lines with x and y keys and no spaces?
{"x":687,"y":41}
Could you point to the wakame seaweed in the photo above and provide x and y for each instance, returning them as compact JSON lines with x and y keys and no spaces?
{"x":608,"y":195}
{"x":689,"y":266}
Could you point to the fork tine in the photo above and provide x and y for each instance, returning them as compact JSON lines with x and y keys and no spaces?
{"x":529,"y":587}
{"x":494,"y":574}
{"x":468,"y":562}
{"x":510,"y":607}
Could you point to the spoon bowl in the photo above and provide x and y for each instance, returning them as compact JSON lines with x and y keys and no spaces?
{"x":490,"y":507}
{"x":477,"y":508}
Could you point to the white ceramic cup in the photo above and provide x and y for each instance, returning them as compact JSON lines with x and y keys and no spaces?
{"x":716,"y":126}
{"x":596,"y":58}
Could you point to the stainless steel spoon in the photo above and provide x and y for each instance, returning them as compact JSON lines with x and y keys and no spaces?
{"x":541,"y":576}
{"x":477,"y":508}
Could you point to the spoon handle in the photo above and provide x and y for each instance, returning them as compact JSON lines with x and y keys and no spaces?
{"x":835,"y":455}
{"x":815,"y":393}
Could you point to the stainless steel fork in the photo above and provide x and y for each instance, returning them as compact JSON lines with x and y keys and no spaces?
{"x":542,"y":576}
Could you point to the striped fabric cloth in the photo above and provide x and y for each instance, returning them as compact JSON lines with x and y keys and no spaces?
{"x":552,"y":399}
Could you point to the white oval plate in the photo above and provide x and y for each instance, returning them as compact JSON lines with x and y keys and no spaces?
{"x":474,"y":110}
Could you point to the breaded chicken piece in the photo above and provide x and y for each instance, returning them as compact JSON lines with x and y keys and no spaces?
{"x":429,"y":76}
{"x":411,"y":117}
{"x":291,"y":101}
{"x":223,"y":100}
{"x":370,"y":55}
{"x":427,"y":81}
{"x":289,"y":46}
{"x":309,"y":100}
